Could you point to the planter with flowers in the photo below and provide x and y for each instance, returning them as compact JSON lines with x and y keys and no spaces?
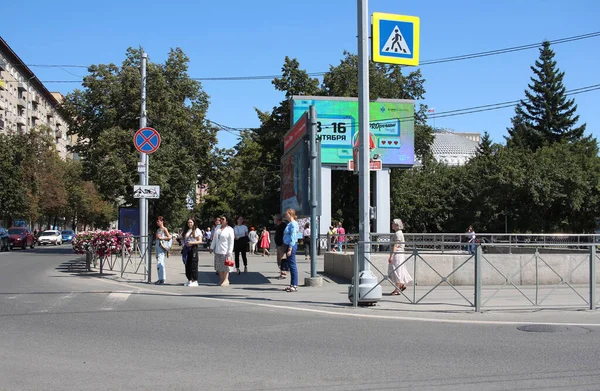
{"x":102,"y":245}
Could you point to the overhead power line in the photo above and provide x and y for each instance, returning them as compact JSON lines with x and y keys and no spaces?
{"x":448,"y":113}
{"x":314,"y":74}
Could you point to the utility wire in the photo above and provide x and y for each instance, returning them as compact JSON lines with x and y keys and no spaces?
{"x":313,"y":74}
{"x":448,"y":113}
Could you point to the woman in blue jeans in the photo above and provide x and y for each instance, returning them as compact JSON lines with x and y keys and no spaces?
{"x":290,"y":241}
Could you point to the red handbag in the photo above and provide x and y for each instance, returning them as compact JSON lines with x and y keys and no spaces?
{"x":229,"y":262}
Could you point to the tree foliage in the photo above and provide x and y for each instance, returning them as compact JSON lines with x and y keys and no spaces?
{"x":105,"y":115}
{"x":546,"y":115}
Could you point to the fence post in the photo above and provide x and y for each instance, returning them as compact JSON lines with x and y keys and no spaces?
{"x":149,"y":250}
{"x":537,"y":281}
{"x":477,"y":278}
{"x":100,"y":259}
{"x":593,"y":276}
{"x":122,"y":255}
{"x":355,"y":284}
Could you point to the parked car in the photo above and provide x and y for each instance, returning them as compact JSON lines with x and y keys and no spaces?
{"x":50,"y":236}
{"x":21,"y":237}
{"x":67,"y":235}
{"x":5,"y":244}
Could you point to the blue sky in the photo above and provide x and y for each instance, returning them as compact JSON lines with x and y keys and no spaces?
{"x":249,"y":38}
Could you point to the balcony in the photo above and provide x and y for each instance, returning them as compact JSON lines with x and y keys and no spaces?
{"x":21,"y":120}
{"x":1,"y":123}
{"x":35,"y":114}
{"x":2,"y":84}
{"x":22,"y":103}
{"x":2,"y":105}
{"x":3,"y":64}
{"x":22,"y":86}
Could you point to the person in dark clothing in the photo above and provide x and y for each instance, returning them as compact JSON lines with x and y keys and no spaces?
{"x":280,"y":227}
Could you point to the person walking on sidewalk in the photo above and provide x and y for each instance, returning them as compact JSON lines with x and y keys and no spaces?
{"x":290,"y":242}
{"x":306,"y":239}
{"x":191,"y":239}
{"x":222,"y":246}
{"x":397,"y":271}
{"x":265,"y":242}
{"x":241,"y":244}
{"x":279,"y":245}
{"x":163,"y":245}
{"x":253,"y":237}
{"x":341,"y":236}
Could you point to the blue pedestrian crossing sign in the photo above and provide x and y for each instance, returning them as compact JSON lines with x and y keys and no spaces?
{"x":395,"y":39}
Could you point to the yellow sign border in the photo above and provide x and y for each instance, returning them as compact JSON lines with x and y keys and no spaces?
{"x":376,"y":36}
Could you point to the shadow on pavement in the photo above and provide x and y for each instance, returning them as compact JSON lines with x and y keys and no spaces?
{"x":77,"y":267}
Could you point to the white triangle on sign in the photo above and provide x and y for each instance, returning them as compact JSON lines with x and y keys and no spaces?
{"x":396,"y":43}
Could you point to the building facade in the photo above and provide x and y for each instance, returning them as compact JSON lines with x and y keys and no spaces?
{"x":25,"y":103}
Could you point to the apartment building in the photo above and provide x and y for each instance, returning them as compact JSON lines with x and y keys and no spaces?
{"x":25,"y":103}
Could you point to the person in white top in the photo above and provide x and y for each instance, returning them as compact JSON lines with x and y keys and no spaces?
{"x":397,"y":270}
{"x":253,"y":237}
{"x":306,"y":238}
{"x":222,"y":246}
{"x":191,"y":239}
{"x":241,"y":244}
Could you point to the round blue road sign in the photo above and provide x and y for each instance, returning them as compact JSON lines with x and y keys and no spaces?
{"x":146,"y":140}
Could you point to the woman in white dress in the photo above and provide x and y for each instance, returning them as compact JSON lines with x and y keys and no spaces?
{"x":397,"y":271}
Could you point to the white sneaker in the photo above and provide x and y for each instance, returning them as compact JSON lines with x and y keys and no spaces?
{"x":193,"y":283}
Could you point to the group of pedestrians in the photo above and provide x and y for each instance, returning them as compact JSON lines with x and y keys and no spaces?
{"x":229,"y":245}
{"x":228,"y":242}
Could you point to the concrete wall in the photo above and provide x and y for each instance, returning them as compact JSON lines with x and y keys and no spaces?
{"x":518,"y":268}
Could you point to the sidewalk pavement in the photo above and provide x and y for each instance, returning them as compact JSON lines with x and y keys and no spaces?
{"x":261,"y":286}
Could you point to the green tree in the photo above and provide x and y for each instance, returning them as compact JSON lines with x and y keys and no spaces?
{"x":546,"y":115}
{"x":485,"y":145}
{"x":253,"y":165}
{"x":12,"y":185}
{"x":105,"y":115}
{"x":385,"y":81}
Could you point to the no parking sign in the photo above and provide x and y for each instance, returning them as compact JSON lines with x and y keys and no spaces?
{"x":146,"y":140}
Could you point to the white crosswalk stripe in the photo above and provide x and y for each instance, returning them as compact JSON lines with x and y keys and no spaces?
{"x":115,"y":299}
{"x":64,"y":302}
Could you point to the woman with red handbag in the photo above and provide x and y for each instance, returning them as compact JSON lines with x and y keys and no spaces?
{"x":222,"y":246}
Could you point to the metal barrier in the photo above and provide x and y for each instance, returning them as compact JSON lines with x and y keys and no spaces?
{"x":132,"y":258}
{"x":416,"y":250}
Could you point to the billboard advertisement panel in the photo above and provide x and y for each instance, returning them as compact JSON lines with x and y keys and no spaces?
{"x":294,"y":180}
{"x":129,"y":220}
{"x":391,"y":126}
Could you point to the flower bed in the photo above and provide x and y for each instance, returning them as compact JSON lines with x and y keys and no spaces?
{"x":103,"y":243}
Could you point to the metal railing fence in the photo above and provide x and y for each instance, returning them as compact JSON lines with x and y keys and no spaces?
{"x":535,"y":262}
{"x":451,"y":242}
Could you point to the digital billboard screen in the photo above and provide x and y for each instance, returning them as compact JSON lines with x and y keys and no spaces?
{"x":391,"y":126}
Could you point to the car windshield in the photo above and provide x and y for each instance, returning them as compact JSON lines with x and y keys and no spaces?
{"x":67,"y":232}
{"x":48,"y":233}
{"x":16,"y":231}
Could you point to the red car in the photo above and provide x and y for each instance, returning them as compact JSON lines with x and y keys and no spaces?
{"x":21,"y":237}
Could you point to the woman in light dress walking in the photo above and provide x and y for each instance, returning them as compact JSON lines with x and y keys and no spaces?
{"x":397,"y":271}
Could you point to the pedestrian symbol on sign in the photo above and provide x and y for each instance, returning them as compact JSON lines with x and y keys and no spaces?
{"x":396,"y":43}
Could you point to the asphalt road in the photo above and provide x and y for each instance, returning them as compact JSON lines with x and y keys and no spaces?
{"x":63,"y":331}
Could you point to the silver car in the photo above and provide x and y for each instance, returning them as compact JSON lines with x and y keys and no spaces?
{"x":50,"y":236}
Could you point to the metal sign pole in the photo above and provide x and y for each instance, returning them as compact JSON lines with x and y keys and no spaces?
{"x":368,"y":282}
{"x":314,"y":280}
{"x":144,"y":160}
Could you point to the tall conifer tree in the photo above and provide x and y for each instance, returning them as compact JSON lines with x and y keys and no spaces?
{"x":546,"y":116}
